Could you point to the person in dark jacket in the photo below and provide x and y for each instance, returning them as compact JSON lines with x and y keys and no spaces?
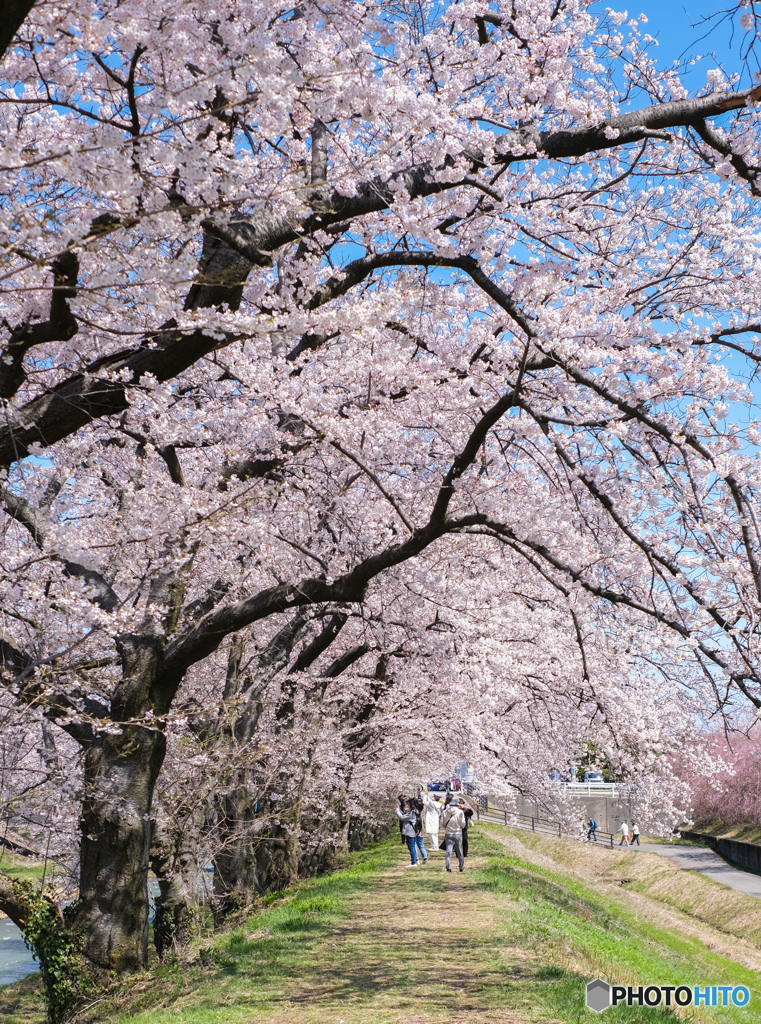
{"x":409,"y":820}
{"x":419,"y":807}
{"x":402,"y":807}
{"x":468,"y":815}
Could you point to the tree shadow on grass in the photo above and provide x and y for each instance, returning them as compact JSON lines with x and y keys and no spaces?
{"x":406,"y":945}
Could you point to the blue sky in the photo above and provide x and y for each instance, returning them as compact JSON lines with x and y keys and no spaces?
{"x":679,"y":26}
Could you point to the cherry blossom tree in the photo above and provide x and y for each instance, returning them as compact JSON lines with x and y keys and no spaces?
{"x":353,"y":329}
{"x":730,"y":795}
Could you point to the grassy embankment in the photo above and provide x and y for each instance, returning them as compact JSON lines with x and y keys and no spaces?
{"x":512,"y":940}
{"x":25,"y":868}
{"x":661,"y":881}
{"x":719,"y":829}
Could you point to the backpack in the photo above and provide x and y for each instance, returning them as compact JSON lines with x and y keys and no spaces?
{"x":418,"y":823}
{"x":592,"y":823}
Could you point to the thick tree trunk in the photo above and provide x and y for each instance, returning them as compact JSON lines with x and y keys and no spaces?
{"x":330,"y":830}
{"x":49,"y":936}
{"x":236,"y":872}
{"x":256,"y":854}
{"x":120,"y":776}
{"x":277,"y":857}
{"x":14,"y":13}
{"x":174,"y":862}
{"x":173,"y":914}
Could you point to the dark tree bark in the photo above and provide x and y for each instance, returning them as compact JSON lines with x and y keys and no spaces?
{"x":120,"y":776}
{"x":175,"y":864}
{"x":120,"y":772}
{"x":12,"y":903}
{"x":277,"y":858}
{"x":61,"y":326}
{"x":244,"y":832}
{"x":236,"y":872}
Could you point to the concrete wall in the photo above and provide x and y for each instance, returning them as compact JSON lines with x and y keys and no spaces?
{"x":607,"y":811}
{"x":744,"y":855}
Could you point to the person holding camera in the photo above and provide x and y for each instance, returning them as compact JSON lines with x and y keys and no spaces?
{"x":411,"y":825}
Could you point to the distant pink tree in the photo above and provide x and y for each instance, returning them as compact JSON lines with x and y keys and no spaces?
{"x":732,"y":794}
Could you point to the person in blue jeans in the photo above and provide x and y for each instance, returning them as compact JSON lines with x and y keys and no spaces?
{"x":454,"y":822}
{"x":411,"y":825}
{"x":592,"y":833}
{"x":419,"y":806}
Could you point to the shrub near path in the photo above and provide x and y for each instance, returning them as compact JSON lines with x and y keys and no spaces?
{"x":510,"y":941}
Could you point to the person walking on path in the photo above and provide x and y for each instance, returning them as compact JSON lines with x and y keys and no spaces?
{"x":624,"y":834}
{"x":408,"y":816}
{"x":431,"y":815}
{"x":635,"y":833}
{"x":468,"y":813}
{"x":453,"y":821}
{"x":592,"y":833}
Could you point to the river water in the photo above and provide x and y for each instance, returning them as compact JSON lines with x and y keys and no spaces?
{"x":15,"y":958}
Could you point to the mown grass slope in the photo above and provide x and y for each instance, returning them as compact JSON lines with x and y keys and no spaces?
{"x":720,"y":829}
{"x":27,"y":868}
{"x":658,"y":878}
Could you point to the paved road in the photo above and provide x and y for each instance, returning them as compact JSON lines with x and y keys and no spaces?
{"x":700,"y":858}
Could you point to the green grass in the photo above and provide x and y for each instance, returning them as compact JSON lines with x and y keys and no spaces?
{"x":743,"y":833}
{"x":566,"y":915}
{"x":371,"y":944}
{"x":27,"y":869}
{"x":244,"y":972}
{"x":659,"y":879}
{"x":240,"y":972}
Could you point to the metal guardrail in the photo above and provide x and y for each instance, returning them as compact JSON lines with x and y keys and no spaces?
{"x":499,"y":816}
{"x":592,"y":788}
{"x":582,"y":788}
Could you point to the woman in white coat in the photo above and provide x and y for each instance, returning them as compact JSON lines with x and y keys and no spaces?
{"x":432,"y":809}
